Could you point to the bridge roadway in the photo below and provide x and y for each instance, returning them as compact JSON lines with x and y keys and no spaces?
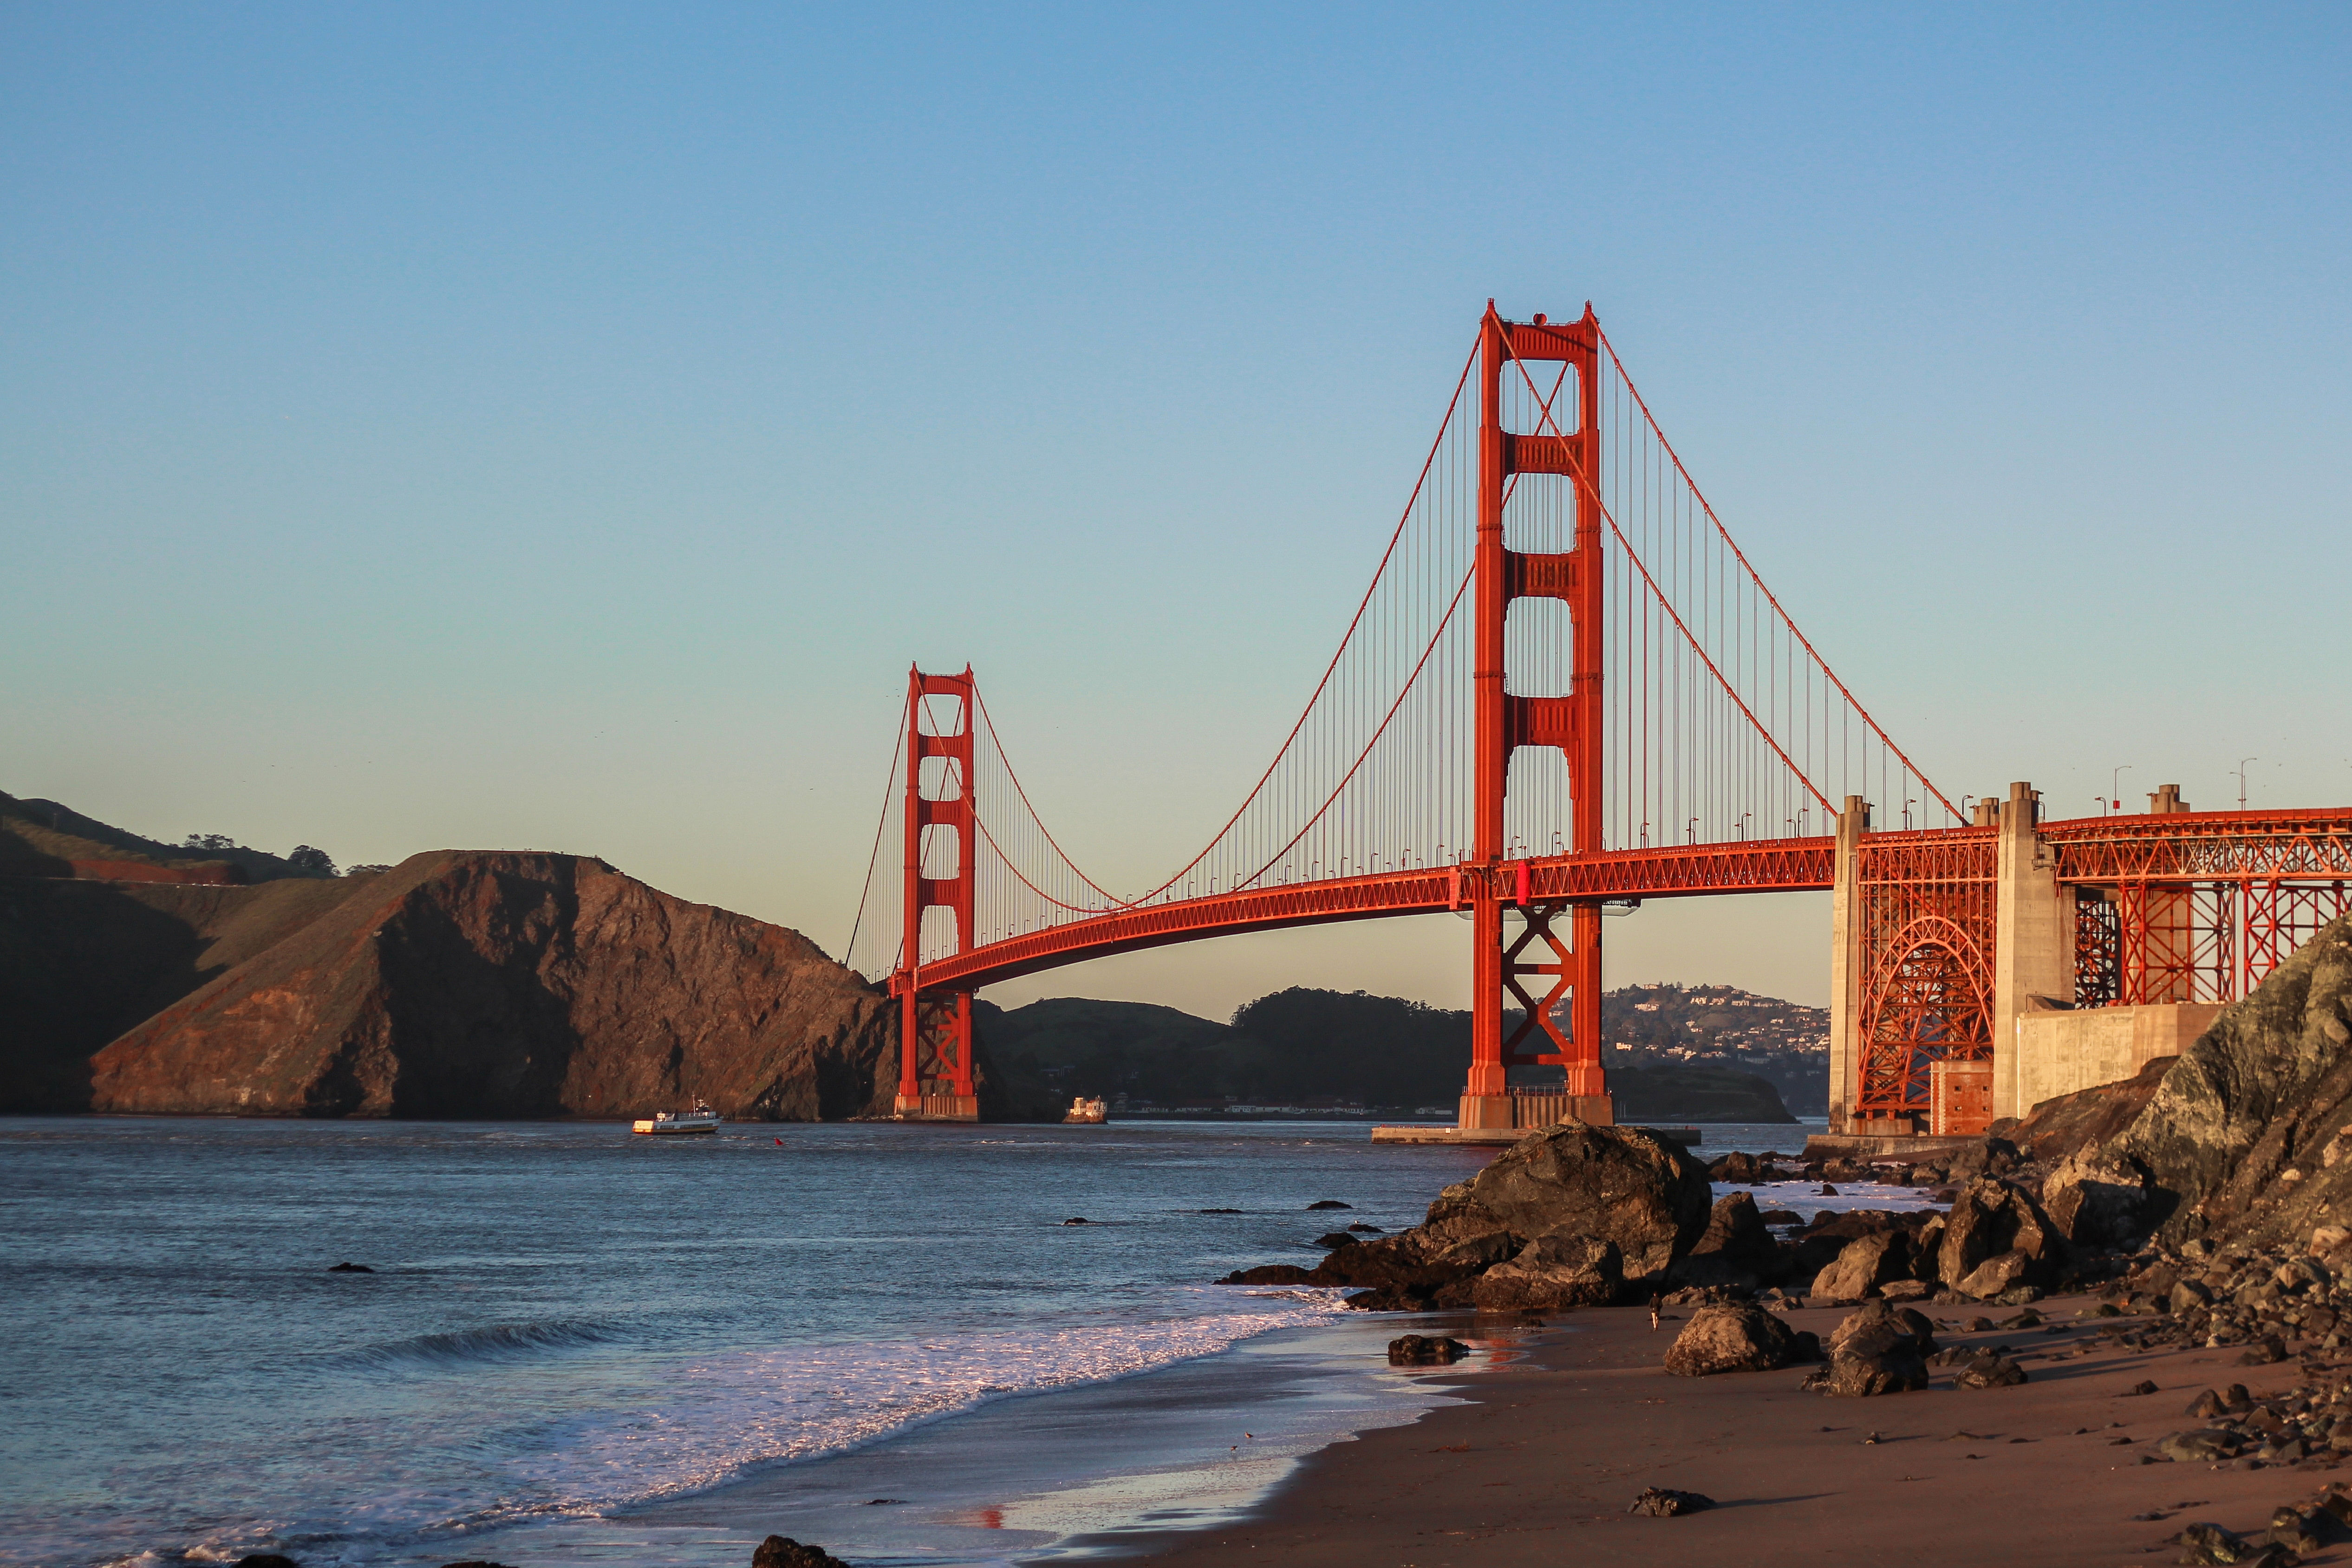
{"x":1752,"y":865}
{"x":2311,"y":845}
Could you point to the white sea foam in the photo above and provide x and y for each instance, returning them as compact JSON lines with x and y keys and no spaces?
{"x":726,"y":1414}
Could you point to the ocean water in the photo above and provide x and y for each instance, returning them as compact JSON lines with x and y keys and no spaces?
{"x":566,"y":1325}
{"x":578,"y":1346}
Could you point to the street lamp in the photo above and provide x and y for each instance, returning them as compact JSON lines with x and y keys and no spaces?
{"x":2242,"y":780}
{"x":2115,"y":788}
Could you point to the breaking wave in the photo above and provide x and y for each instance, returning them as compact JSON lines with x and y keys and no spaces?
{"x":499,"y":1343}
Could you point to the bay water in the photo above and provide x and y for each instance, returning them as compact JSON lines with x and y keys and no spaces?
{"x":575,"y":1346}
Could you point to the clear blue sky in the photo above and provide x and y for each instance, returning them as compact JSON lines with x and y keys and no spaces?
{"x":560,"y":427}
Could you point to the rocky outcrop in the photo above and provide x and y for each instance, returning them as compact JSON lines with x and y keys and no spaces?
{"x":505,"y":984}
{"x":2055,"y":1129}
{"x":1735,"y":1338}
{"x":1996,"y":1239}
{"x":783,"y":1552}
{"x":1735,"y":1249}
{"x":1617,"y":1185}
{"x":1572,"y":1215}
{"x":2246,"y":1134}
{"x":1882,"y":1349}
{"x":1552,"y":1272}
{"x":1867,"y":1264}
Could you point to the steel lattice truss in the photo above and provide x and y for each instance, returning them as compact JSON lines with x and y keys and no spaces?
{"x":1926,"y":904}
{"x":2197,"y":906}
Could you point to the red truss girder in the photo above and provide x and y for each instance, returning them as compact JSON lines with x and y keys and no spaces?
{"x":2205,"y":846}
{"x":2198,"y":905}
{"x":1755,"y":866}
{"x":1927,"y":903}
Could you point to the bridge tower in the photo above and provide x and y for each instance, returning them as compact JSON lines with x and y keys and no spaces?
{"x":1572,"y":722}
{"x":935,"y":1076}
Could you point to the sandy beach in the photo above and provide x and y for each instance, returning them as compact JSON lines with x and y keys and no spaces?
{"x":1540,"y":1463}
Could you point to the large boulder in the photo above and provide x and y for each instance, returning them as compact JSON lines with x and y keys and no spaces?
{"x":1989,"y":1218}
{"x":1881,"y":1349}
{"x":1865,"y":1265}
{"x":1734,"y":1250}
{"x":783,"y":1552}
{"x":1736,"y":1338}
{"x":1552,"y":1272}
{"x":1882,"y":1325}
{"x":1573,"y":1216}
{"x":1623,"y":1185}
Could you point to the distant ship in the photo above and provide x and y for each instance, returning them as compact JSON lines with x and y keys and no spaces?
{"x":674,"y":1124}
{"x":1086,"y":1113}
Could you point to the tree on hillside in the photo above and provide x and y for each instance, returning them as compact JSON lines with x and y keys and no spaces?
{"x":209,"y":841}
{"x":305,"y":858}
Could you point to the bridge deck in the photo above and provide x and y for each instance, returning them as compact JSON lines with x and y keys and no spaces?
{"x":1754,"y":866}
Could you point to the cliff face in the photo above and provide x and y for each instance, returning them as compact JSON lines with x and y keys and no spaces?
{"x":82,"y":961}
{"x":512,"y":985}
{"x":2247,"y":1132}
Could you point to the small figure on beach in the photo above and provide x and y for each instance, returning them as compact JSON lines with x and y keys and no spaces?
{"x":1657,"y":1303}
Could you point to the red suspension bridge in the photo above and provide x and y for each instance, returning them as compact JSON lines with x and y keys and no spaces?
{"x":1567,"y":686}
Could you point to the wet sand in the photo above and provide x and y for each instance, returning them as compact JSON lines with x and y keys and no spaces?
{"x":1540,"y":1464}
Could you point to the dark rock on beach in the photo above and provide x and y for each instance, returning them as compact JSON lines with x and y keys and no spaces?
{"x":1989,"y":1371}
{"x":1572,"y":1215}
{"x":1271,"y":1274}
{"x":1734,"y":1250}
{"x":1881,"y":1349}
{"x":782,"y":1552}
{"x":1422,"y":1350}
{"x":1862,"y":1268}
{"x":1996,"y":1239}
{"x":1665,"y":1502}
{"x":265,"y":1560}
{"x":1736,"y":1338}
{"x":1329,"y":1203}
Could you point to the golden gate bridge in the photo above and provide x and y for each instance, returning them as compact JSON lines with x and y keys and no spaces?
{"x":1568,"y":686}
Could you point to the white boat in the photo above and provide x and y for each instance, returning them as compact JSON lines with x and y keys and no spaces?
{"x":676,"y":1123}
{"x":1086,"y":1113}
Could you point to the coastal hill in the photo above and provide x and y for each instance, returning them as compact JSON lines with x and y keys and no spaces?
{"x":1334,"y":1051}
{"x":503,"y":984}
{"x":491,"y":984}
{"x":1721,"y":1028}
{"x":42,"y":838}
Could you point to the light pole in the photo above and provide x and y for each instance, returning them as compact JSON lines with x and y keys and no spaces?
{"x":2115,"y":784}
{"x":2242,"y":780}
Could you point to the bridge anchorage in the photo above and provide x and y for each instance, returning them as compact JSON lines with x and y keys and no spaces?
{"x":1568,"y":686}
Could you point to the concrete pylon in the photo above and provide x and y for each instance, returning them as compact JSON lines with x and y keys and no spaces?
{"x":2033,"y":937}
{"x":1846,"y":963}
